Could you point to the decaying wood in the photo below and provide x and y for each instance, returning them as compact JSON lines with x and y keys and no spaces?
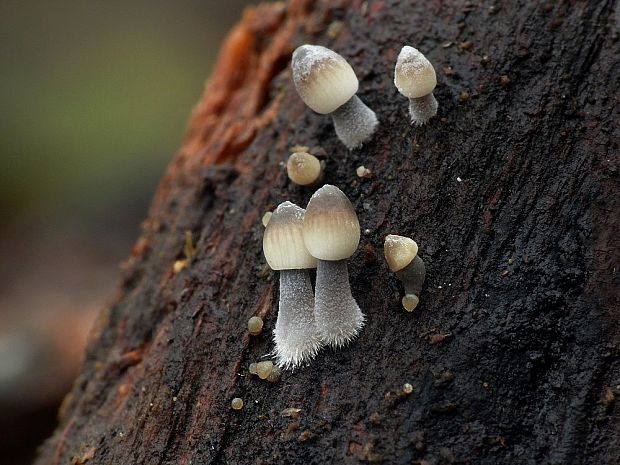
{"x":511,"y":193}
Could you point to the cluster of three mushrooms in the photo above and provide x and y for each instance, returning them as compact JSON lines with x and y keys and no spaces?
{"x":326,"y":83}
{"x":323,"y":236}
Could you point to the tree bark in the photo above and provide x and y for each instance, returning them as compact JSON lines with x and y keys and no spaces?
{"x":511,"y":193}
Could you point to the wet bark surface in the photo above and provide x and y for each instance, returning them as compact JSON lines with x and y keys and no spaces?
{"x":511,"y":193}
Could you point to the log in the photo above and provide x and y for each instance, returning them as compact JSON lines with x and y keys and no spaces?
{"x":511,"y":193}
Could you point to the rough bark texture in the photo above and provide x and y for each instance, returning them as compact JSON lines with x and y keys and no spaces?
{"x":511,"y":193}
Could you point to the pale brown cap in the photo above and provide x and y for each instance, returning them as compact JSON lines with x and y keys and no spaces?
{"x":414,"y":75}
{"x":283,"y":243}
{"x":331,"y":228}
{"x":399,"y":251}
{"x":303,"y":168}
{"x":323,"y":78}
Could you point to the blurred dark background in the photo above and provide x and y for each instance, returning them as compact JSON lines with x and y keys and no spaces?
{"x":94,"y":100}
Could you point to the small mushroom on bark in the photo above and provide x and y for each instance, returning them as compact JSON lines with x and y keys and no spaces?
{"x":304,"y":169}
{"x":326,"y":83}
{"x":331,"y":233}
{"x":414,"y":77}
{"x":296,"y":337}
{"x":401,"y":254}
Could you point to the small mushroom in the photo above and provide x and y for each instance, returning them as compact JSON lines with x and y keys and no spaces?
{"x":331,"y":233}
{"x":415,"y":78}
{"x":296,"y":337}
{"x":304,"y":169}
{"x":326,"y":83}
{"x":401,"y":254}
{"x":255,"y":325}
{"x":264,"y":369}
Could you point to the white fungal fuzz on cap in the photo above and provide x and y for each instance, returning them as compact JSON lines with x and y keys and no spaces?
{"x":327,"y":84}
{"x":414,"y":77}
{"x":401,"y":254}
{"x":331,"y":233}
{"x":303,"y":168}
{"x":296,"y":336}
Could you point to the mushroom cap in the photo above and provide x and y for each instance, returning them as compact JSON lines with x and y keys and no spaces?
{"x":331,"y":228}
{"x":414,"y":75}
{"x":399,"y":251}
{"x":303,"y":169}
{"x":324,"y":80}
{"x":283,"y":243}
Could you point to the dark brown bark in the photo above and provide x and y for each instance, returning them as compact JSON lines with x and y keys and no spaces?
{"x":511,"y":192}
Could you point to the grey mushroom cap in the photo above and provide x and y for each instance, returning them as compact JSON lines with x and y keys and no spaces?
{"x":331,"y":230}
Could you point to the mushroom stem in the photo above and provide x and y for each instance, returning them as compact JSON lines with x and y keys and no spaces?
{"x":337,"y":315}
{"x":354,"y":122}
{"x":422,"y":109}
{"x":413,"y":276}
{"x":296,"y":335}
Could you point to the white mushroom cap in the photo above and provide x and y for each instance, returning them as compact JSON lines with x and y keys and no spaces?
{"x":331,"y":228}
{"x":323,"y":78}
{"x":283,"y":243}
{"x":414,"y":75}
{"x":399,"y":251}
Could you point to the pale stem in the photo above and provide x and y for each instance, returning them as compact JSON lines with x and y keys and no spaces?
{"x":336,"y":312}
{"x":296,"y":336}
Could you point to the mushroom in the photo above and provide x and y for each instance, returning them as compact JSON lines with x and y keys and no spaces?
{"x":237,"y":403}
{"x":296,"y":337}
{"x":304,"y":169}
{"x":327,"y":84}
{"x":331,"y":233}
{"x":401,"y":254}
{"x":414,"y":77}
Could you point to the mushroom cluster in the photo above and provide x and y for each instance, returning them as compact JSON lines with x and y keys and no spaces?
{"x":323,"y":236}
{"x":327,"y":233}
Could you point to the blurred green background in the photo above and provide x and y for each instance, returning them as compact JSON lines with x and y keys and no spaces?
{"x":94,"y":96}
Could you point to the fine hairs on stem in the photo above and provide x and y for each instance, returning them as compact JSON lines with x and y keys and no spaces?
{"x":296,"y":337}
{"x":331,"y":233}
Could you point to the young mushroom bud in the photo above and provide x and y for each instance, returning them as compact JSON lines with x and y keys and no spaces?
{"x":304,"y":169}
{"x":415,"y":78}
{"x":331,"y":233}
{"x":296,"y":337}
{"x":327,"y":84}
{"x":401,"y":254}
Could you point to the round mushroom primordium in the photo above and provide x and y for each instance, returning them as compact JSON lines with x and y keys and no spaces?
{"x":326,"y":83}
{"x":304,"y":169}
{"x":415,"y":78}
{"x":331,"y":233}
{"x":401,"y":254}
{"x":296,"y":337}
